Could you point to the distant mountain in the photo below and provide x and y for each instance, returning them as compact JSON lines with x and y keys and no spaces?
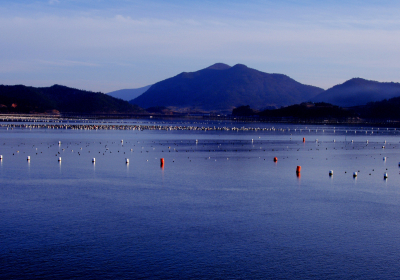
{"x":358,"y":91}
{"x":23,"y":99}
{"x":128,"y":94}
{"x":222,"y":88}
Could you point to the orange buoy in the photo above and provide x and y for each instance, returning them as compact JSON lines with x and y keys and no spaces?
{"x":298,"y":169}
{"x":275,"y":159}
{"x":304,"y":139}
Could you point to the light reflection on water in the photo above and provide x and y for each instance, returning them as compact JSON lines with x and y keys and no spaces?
{"x":218,"y":208}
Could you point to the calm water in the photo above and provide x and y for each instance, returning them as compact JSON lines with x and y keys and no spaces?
{"x":220,"y":208}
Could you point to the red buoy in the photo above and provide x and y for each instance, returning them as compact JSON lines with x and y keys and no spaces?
{"x":275,"y":159}
{"x":298,"y":169}
{"x":304,"y":139}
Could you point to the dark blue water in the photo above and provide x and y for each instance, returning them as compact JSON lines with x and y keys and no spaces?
{"x":220,"y":208}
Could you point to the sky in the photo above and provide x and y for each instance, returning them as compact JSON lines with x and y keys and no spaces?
{"x":100,"y":45}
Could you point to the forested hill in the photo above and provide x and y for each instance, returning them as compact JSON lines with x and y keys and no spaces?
{"x":24,"y":99}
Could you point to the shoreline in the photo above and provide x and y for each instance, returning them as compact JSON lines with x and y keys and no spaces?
{"x":282,"y":120}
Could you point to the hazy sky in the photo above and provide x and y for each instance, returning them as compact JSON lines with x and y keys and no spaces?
{"x":109,"y":45}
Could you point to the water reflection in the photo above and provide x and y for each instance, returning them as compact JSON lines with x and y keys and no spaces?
{"x":243,"y":202}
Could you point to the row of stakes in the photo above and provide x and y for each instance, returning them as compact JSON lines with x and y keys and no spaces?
{"x":126,"y":160}
{"x":28,"y":158}
{"x":298,"y":168}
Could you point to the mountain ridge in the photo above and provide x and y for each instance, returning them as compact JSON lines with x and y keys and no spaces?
{"x":128,"y":94}
{"x":358,"y":91}
{"x":220,"y":87}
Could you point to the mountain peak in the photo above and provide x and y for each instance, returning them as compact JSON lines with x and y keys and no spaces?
{"x":219,"y":66}
{"x":222,"y":90}
{"x":240,"y":66}
{"x":56,"y":86}
{"x":357,"y":81}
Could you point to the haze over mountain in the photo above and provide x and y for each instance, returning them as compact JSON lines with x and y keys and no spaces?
{"x":357,"y":92}
{"x":23,"y":99}
{"x":221,"y":87}
{"x":128,"y":94}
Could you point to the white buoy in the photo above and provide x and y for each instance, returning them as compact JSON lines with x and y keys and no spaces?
{"x":127,"y":160}
{"x":59,"y":142}
{"x":94,"y":160}
{"x":1,"y":156}
{"x":367,"y":141}
{"x":385,"y":176}
{"x":330,"y":172}
{"x":352,"y":141}
{"x":122,"y":141}
{"x":384,"y":158}
{"x":28,"y":158}
{"x":355,"y":174}
{"x":59,"y":159}
{"x":334,"y":140}
{"x":383,"y":147}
